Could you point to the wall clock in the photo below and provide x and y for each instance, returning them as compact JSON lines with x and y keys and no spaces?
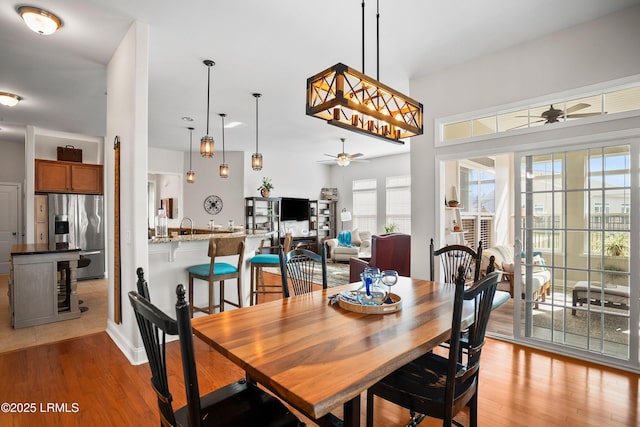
{"x":213,"y":204}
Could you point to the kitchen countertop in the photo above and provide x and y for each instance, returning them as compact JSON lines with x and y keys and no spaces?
{"x":42,"y":248}
{"x":199,"y":236}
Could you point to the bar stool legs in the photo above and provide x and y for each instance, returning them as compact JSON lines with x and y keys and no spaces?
{"x":258,"y":287}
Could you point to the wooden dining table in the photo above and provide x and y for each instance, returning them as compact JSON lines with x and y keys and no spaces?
{"x":317,"y":356}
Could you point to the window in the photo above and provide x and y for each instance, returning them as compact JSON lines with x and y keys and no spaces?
{"x":399,"y":203}
{"x":477,"y":188}
{"x":596,"y":101}
{"x":365,"y":205}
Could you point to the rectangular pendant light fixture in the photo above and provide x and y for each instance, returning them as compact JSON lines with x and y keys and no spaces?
{"x":352,"y":100}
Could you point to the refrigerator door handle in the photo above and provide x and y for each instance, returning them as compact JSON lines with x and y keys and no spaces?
{"x":89,"y":253}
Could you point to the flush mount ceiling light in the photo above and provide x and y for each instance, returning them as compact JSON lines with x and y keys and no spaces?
{"x":9,"y":99}
{"x":224,"y":167}
{"x":191,"y":175}
{"x":256,"y":158}
{"x":206,"y":143}
{"x":352,"y":100}
{"x":39,"y":20}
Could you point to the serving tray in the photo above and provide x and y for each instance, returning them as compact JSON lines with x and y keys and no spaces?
{"x":372,"y":309}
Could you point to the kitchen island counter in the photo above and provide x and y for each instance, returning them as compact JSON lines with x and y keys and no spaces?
{"x":33,"y":284}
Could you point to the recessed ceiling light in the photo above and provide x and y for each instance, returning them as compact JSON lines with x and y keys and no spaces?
{"x":9,"y":99}
{"x":187,"y":119}
{"x":39,"y":20}
{"x":232,"y":125}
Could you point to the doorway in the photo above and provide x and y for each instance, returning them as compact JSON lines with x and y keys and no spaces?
{"x":575,"y":224}
{"x":9,"y":222}
{"x":571,"y":217}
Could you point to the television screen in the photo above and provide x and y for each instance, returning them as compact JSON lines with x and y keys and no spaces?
{"x":293,"y":209}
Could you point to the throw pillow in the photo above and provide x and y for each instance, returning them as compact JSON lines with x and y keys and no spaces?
{"x":507,"y":268}
{"x":355,"y":237}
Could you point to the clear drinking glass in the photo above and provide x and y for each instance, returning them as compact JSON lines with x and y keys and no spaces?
{"x":389,"y":278}
{"x":370,"y":293}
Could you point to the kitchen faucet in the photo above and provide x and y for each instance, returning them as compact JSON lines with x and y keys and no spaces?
{"x":180,"y":231}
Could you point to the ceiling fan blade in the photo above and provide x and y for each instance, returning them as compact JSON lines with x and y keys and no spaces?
{"x":353,"y":156}
{"x":577,"y":107}
{"x":331,"y":155}
{"x":580,"y":115}
{"x":525,"y":125}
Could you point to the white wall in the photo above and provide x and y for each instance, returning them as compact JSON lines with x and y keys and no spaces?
{"x":127,"y":118}
{"x":12,"y":162}
{"x":598,"y":51}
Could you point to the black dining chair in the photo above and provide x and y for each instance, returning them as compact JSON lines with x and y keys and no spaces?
{"x":299,"y":266}
{"x":238,"y":404}
{"x":141,"y":284}
{"x":438,"y":386}
{"x":453,"y":256}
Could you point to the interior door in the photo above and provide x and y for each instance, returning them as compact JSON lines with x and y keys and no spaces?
{"x":576,"y":225}
{"x":9,"y":225}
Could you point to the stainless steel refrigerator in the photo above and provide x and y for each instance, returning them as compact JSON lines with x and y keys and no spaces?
{"x":79,"y":220}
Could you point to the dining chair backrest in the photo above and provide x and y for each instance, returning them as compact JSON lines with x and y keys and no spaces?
{"x":226,"y":246}
{"x":299,"y":266}
{"x":451,"y":258}
{"x":143,"y":288}
{"x":154,"y":326}
{"x":481,"y":293}
{"x":266,"y":247}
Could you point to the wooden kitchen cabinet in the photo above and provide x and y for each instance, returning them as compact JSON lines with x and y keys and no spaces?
{"x":68,"y":177}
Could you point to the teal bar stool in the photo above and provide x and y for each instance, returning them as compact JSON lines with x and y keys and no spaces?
{"x":218,"y":272}
{"x":261,"y":260}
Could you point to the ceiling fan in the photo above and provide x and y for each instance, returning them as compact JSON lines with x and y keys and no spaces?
{"x":553,"y":114}
{"x":343,"y":159}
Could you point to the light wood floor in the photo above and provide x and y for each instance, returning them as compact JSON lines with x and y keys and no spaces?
{"x":518,"y":387}
{"x":93,"y":293}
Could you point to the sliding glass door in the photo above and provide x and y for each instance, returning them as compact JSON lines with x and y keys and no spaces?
{"x":578,"y":226}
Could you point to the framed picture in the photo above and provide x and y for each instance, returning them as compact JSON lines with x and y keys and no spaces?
{"x":329,"y":193}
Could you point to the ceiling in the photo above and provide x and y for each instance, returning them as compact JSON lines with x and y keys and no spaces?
{"x":270,"y":47}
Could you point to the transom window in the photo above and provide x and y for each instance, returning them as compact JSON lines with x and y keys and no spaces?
{"x":602,"y":102}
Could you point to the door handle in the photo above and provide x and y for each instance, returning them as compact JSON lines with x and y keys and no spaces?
{"x":14,"y":233}
{"x":90,"y":253}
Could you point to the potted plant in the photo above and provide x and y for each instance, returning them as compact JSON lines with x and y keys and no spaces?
{"x":453,"y":203}
{"x":265,"y":187}
{"x":389,"y":228}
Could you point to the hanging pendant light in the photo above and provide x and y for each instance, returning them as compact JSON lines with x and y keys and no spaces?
{"x":206,"y":143}
{"x":191,"y":175}
{"x":224,"y":166}
{"x":354,"y":101}
{"x":256,"y":158}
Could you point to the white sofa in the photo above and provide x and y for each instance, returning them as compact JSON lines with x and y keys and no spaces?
{"x":361,"y":247}
{"x":541,"y":277}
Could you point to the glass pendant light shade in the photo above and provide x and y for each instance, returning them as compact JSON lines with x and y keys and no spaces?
{"x":256,"y":158}
{"x":206,"y":143}
{"x":206,"y":146}
{"x":191,"y":175}
{"x":256,"y":161}
{"x":224,"y":166}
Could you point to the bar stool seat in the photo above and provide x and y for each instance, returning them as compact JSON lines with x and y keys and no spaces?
{"x":262,"y":260}
{"x":218,"y":272}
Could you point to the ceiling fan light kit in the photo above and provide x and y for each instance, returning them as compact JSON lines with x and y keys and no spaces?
{"x":354,"y":101}
{"x":9,"y":99}
{"x":39,"y":20}
{"x":206,"y":143}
